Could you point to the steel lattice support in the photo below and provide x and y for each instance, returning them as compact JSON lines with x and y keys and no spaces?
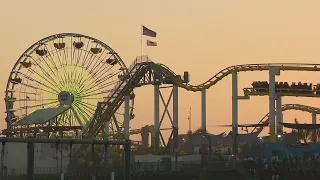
{"x":158,"y":120}
{"x":175,"y":127}
{"x":155,"y":142}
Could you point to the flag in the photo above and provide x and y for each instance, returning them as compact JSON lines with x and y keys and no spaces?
{"x":148,"y":32}
{"x":151,"y":43}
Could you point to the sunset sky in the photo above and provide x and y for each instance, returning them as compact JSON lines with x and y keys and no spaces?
{"x":202,"y":37}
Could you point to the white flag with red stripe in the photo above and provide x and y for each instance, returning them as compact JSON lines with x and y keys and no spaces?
{"x":151,"y":43}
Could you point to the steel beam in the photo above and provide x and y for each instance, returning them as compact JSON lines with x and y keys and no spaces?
{"x":127,"y":156}
{"x":156,"y":116}
{"x":279,"y":115}
{"x":126,"y":117}
{"x":314,"y":133}
{"x":235,"y":109}
{"x":30,"y":160}
{"x":272,"y":95}
{"x":61,"y":141}
{"x":175,"y":116}
{"x":203,"y":110}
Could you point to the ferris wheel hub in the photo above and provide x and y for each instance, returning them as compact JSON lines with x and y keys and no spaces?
{"x":65,"y":98}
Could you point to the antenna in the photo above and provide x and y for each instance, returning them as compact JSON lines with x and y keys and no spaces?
{"x":189,"y":118}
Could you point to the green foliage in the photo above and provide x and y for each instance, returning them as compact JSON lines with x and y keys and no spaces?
{"x":304,"y":135}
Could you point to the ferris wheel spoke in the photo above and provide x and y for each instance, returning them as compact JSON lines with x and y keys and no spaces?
{"x":31,"y":100}
{"x":88,"y":63}
{"x":43,"y":71}
{"x":79,"y":111}
{"x":76,"y":116}
{"x":97,"y":87}
{"x":100,"y":70}
{"x":23,"y":92}
{"x":32,"y":79}
{"x":86,"y":55}
{"x":46,"y":63}
{"x":100,"y":61}
{"x":32,"y":71}
{"x":36,"y":88}
{"x":87,"y":105}
{"x":62,"y":55}
{"x":83,"y":113}
{"x":104,"y":79}
{"x":50,"y":57}
{"x":97,"y":82}
{"x":57,"y":51}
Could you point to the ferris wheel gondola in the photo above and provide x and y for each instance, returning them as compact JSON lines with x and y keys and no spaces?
{"x":56,"y":84}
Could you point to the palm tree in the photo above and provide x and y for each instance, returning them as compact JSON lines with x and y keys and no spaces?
{"x":304,"y":135}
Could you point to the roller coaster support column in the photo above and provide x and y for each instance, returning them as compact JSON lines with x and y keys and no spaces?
{"x":175,"y":117}
{"x":272,"y":95}
{"x":235,"y":110}
{"x":279,"y":115}
{"x":203,"y":111}
{"x":156,"y":117}
{"x":126,"y":116}
{"x":314,"y":133}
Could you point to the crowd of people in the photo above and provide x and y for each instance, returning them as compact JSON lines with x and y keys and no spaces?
{"x":263,"y":169}
{"x":284,"y":87}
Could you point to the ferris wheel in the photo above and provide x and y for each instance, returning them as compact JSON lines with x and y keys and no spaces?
{"x":56,"y":84}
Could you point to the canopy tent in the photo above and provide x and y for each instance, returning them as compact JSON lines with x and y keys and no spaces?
{"x":41,"y":116}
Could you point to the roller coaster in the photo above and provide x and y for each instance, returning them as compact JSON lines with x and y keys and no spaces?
{"x":162,"y":74}
{"x":74,"y":87}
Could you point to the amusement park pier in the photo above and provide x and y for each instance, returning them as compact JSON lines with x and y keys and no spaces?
{"x":70,"y":100}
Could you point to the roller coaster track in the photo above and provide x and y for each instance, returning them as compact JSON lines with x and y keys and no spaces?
{"x":159,"y":73}
{"x":280,"y":92}
{"x":285,"y":107}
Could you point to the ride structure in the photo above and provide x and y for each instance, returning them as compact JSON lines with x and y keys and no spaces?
{"x":82,"y":84}
{"x":54,"y":87}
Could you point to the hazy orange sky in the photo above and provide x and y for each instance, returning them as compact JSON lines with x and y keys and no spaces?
{"x":201,"y":37}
